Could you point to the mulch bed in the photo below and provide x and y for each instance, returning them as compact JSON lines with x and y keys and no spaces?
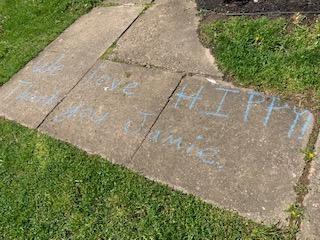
{"x":262,"y":6}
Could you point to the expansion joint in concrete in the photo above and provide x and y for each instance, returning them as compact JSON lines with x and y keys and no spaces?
{"x":302,"y":187}
{"x":185,"y":72}
{"x":158,"y":116}
{"x":113,"y":44}
{"x":62,"y":99}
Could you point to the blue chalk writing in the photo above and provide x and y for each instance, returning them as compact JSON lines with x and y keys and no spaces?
{"x":51,"y":68}
{"x":193,"y":98}
{"x":273,"y":106}
{"x":200,"y":137}
{"x":306,"y":125}
{"x":93,"y":76}
{"x":16,"y":88}
{"x":155,"y":136}
{"x":115,"y":84}
{"x":204,"y":155}
{"x":127,"y":126}
{"x":71,"y":112}
{"x":251,"y":102}
{"x":295,"y":122}
{"x":129,"y":123}
{"x":82,"y":112}
{"x":218,"y":112}
{"x":30,"y":95}
{"x":111,"y":84}
{"x":129,"y":86}
{"x":208,"y":155}
{"x":89,"y":112}
{"x":190,"y":149}
{"x":192,"y":146}
{"x":172,"y":141}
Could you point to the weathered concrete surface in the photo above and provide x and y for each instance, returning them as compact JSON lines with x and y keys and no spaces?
{"x":112,"y":109}
{"x":126,"y":2}
{"x":235,"y":148}
{"x":166,"y":36}
{"x":310,"y":228}
{"x":33,"y":92}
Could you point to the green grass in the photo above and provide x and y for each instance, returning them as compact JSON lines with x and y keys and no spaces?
{"x":51,"y":190}
{"x":279,"y":56}
{"x":27,"y":26}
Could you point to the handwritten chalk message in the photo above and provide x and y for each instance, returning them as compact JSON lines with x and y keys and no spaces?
{"x":83,"y":112}
{"x":112,"y":84}
{"x":139,"y":125}
{"x":51,"y":68}
{"x":190,"y":98}
{"x":206,"y":155}
{"x":25,"y":92}
{"x":253,"y":99}
{"x":193,"y":98}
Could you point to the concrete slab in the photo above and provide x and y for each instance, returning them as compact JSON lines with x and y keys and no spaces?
{"x":111,"y":110}
{"x":310,"y":227}
{"x":235,"y":148}
{"x":126,"y":2}
{"x":166,"y":36}
{"x":33,"y":92}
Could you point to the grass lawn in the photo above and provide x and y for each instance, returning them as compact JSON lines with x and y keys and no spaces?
{"x":280,"y":56}
{"x":27,"y":26}
{"x":51,"y":190}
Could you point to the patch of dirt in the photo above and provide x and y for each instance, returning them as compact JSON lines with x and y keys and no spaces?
{"x":260,"y":6}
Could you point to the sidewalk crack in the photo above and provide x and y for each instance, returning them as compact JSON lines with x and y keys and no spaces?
{"x":157,"y":118}
{"x":81,"y":78}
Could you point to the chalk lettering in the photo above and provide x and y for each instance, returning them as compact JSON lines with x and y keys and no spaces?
{"x":208,"y":155}
{"x":297,"y":119}
{"x":93,"y":74}
{"x":115,"y":84}
{"x":251,"y":102}
{"x":50,"y":68}
{"x":29,"y":95}
{"x":172,"y":141}
{"x":111,"y":84}
{"x":101,"y":80}
{"x":154,"y":136}
{"x":306,"y":125}
{"x":71,"y":112}
{"x":192,"y":146}
{"x":273,"y":106}
{"x":82,"y":112}
{"x":192,"y":98}
{"x":129,"y":86}
{"x":129,"y":123}
{"x":219,"y":112}
{"x":204,"y":155}
{"x":18,"y":86}
{"x":91,"y":114}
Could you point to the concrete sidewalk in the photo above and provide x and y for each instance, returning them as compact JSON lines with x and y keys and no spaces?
{"x":157,"y":104}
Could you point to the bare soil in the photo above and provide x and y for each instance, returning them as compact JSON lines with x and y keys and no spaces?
{"x":261,"y":6}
